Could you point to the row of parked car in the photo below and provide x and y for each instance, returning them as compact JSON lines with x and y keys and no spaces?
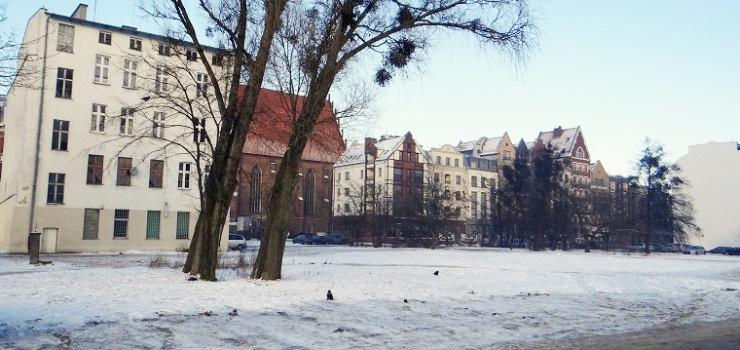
{"x":726,"y":250}
{"x":319,"y":238}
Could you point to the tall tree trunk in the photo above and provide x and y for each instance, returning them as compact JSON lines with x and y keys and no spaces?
{"x":269,"y":262}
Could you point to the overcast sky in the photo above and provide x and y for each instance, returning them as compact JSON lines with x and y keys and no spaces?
{"x":620,"y":69}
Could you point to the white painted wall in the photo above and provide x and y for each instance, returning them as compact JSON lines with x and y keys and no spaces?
{"x":713,"y":171}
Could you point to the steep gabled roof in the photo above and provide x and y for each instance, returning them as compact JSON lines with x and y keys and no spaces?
{"x":483,"y":146}
{"x":273,"y":121}
{"x":561,"y":140}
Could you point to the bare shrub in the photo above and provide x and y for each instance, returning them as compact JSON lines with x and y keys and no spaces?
{"x":158,"y":261}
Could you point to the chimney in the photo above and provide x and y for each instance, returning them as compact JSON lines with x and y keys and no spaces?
{"x":80,"y":12}
{"x":557,"y":132}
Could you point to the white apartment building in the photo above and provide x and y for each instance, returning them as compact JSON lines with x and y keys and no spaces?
{"x":470,"y":179}
{"x":100,"y":155}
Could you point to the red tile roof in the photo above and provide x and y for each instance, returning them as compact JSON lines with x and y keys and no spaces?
{"x":271,"y":127}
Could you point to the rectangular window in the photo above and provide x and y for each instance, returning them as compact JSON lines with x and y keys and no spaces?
{"x":90,"y":224}
{"x":457,"y":162}
{"x":218,"y":59}
{"x":346,"y":175}
{"x":152,"y":224}
{"x":447,"y":161}
{"x":164,"y":49}
{"x":102,"y":66}
{"x":191,"y":55}
{"x":458,"y":180}
{"x":55,"y":193}
{"x":64,"y":82}
{"x":158,"y":125}
{"x":134,"y":44}
{"x":129,"y":74}
{"x":156,"y":172}
{"x":59,"y":135}
{"x":123,"y":177}
{"x":97,"y":122}
{"x":160,"y":82}
{"x":183,"y":176}
{"x":183,"y":225}
{"x":66,"y":38}
{"x":436,"y":178}
{"x":104,"y":37}
{"x":94,"y":169}
{"x":199,"y":130}
{"x":346,"y":191}
{"x":120,"y":223}
{"x":201,"y":84}
{"x":483,"y":182}
{"x":127,"y":121}
{"x":439,"y":160}
{"x":346,"y":207}
{"x":473,"y":181}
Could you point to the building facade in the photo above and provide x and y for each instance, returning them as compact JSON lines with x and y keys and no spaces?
{"x":262,"y":154}
{"x":99,"y":156}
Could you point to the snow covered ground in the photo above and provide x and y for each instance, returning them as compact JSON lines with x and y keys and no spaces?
{"x":480,"y":299}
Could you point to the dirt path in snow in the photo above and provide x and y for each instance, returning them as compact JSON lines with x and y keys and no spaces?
{"x":719,"y":335}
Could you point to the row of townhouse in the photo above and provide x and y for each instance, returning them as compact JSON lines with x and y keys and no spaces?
{"x":397,"y":168}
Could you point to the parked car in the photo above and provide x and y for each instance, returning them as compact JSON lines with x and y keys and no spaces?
{"x":666,"y":248}
{"x":694,"y":249}
{"x":725,"y":250}
{"x":318,"y":239}
{"x":303,"y":238}
{"x":336,"y":239}
{"x":237,"y":241}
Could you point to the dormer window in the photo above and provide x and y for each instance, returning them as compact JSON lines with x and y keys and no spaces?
{"x":580,"y":153}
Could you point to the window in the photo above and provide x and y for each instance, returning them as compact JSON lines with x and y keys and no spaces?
{"x":191,"y":55}
{"x":201,"y":84}
{"x":158,"y":125}
{"x":90,"y":224}
{"x":59,"y":135}
{"x":474,"y":181}
{"x":457,"y":162}
{"x":97,"y":122}
{"x":183,"y":225}
{"x":439,"y":160}
{"x":104,"y":37}
{"x":64,"y":82}
{"x":507,"y":155}
{"x":436,"y":178}
{"x":474,"y":204}
{"x":123,"y":177}
{"x":458,"y":180}
{"x":447,"y":161}
{"x":346,"y":207}
{"x":482,"y":182}
{"x":183,"y":176}
{"x":397,"y":174}
{"x":447,"y":178}
{"x":94,"y":169}
{"x":66,"y":38}
{"x":156,"y":172}
{"x":55,"y":193}
{"x":152,"y":224}
{"x":102,"y":66}
{"x":346,"y":175}
{"x":134,"y":44}
{"x":346,"y":191}
{"x":129,"y":74}
{"x":160,"y":82}
{"x":164,"y":49}
{"x":308,"y":194}
{"x":255,"y":190}
{"x":457,"y":195}
{"x":199,"y":130}
{"x":218,"y":59}
{"x":127,"y":121}
{"x":580,"y":153}
{"x":120,"y":223}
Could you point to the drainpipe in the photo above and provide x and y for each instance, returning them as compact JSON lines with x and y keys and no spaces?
{"x":36,"y":160}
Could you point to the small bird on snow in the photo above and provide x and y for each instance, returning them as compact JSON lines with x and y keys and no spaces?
{"x":436,"y":273}
{"x":329,"y":296}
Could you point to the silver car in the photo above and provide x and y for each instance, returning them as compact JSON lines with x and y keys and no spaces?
{"x":237,"y":241}
{"x":694,"y":249}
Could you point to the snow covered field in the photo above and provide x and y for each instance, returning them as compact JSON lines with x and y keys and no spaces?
{"x":482,"y":298}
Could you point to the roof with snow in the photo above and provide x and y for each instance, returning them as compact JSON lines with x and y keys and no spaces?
{"x":355,"y":153}
{"x":483,"y":146}
{"x":561,"y":140}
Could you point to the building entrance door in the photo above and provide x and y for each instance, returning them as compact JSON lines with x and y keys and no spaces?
{"x":49,"y":240}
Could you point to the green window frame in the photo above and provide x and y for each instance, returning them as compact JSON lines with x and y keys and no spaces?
{"x":183,"y":225}
{"x":153,"y":224}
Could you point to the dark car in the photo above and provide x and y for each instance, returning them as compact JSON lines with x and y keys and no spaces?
{"x":316,"y":239}
{"x":336,"y":239}
{"x":303,"y":238}
{"x":725,"y":250}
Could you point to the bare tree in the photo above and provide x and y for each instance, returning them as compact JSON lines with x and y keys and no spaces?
{"x":336,"y":33}
{"x":16,"y":67}
{"x":246,"y":32}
